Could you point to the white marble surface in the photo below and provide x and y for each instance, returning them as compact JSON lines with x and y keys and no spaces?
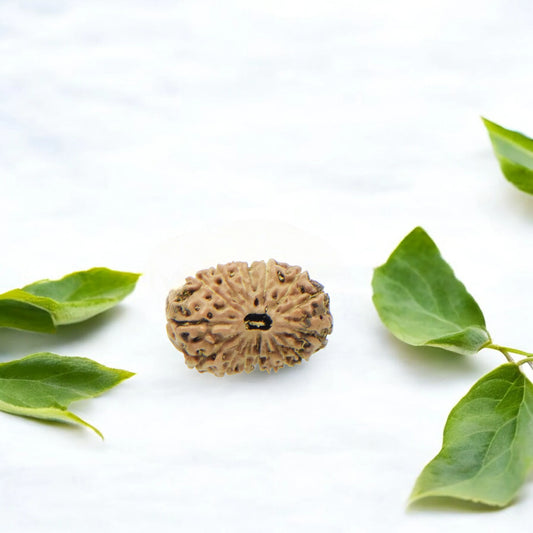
{"x":164,"y":136}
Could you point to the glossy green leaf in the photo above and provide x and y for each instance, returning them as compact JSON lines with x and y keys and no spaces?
{"x":46,"y":304}
{"x":487,"y":449}
{"x":43,"y":385}
{"x":515,"y":155}
{"x":421,"y":302}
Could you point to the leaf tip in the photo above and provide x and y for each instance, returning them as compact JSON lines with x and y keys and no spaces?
{"x":419,"y":230}
{"x":418,"y":237}
{"x":98,"y":432}
{"x":126,"y":374}
{"x":489,"y":124}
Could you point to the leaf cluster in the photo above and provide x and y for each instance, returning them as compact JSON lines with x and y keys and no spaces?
{"x":43,"y":385}
{"x":487,"y":447}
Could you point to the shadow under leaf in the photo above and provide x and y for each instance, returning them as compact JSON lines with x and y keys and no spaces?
{"x":520,"y":203}
{"x":73,"y":429}
{"x":427,"y":361}
{"x":17,"y":343}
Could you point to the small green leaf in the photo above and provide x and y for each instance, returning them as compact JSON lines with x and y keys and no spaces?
{"x":44,"y":384}
{"x":421,"y":302}
{"x":46,"y":304}
{"x":515,"y":155}
{"x":487,"y":448}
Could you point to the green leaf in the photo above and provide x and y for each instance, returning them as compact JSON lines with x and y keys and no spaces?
{"x":515,"y":155}
{"x":43,"y":305}
{"x":421,"y":302}
{"x":44,"y":384}
{"x":487,"y":449}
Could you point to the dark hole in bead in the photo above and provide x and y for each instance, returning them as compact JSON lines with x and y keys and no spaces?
{"x":256,"y":302}
{"x":257,"y":321}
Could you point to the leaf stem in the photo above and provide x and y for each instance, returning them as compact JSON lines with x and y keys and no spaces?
{"x":506,"y":351}
{"x":528,"y":360}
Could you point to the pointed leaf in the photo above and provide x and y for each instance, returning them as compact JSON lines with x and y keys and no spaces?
{"x":421,"y":302}
{"x":46,"y":304}
{"x":487,"y":449}
{"x":43,"y":385}
{"x":515,"y":155}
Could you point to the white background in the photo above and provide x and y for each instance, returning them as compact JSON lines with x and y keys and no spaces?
{"x":166,"y":136}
